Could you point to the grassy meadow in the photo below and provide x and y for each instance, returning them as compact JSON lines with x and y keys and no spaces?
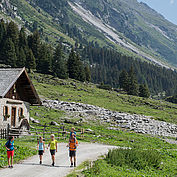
{"x":140,"y":155}
{"x":74,"y":91}
{"x":148,"y":155}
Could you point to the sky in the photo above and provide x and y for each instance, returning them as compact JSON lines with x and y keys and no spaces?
{"x":168,"y":8}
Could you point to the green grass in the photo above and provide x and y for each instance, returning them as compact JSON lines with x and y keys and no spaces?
{"x":70,"y":90}
{"x":100,"y":132}
{"x":101,"y":168}
{"x":143,"y":145}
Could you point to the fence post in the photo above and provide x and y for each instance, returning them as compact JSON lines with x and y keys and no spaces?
{"x":82,"y":132}
{"x":62,"y":131}
{"x":4,"y":133}
{"x":1,"y":133}
{"x":44,"y":131}
{"x":58,"y":132}
{"x":8,"y":129}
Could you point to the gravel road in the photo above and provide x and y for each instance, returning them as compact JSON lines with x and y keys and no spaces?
{"x":31,"y":167}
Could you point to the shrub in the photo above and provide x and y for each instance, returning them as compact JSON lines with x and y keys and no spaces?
{"x":134,"y":158}
{"x":104,"y":86}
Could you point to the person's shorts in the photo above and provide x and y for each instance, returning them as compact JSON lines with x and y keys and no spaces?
{"x":41,"y":152}
{"x":72,"y":153}
{"x":10,"y":154}
{"x":52,"y":152}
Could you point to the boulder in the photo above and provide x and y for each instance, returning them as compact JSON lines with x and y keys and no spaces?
{"x":54,"y":123}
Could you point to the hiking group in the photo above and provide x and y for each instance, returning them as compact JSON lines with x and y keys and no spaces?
{"x":72,"y":144}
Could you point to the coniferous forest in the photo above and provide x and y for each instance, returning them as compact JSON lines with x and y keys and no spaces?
{"x":83,"y":63}
{"x":107,"y":65}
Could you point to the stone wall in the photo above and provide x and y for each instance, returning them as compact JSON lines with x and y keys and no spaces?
{"x":137,"y":123}
{"x":13,"y":103}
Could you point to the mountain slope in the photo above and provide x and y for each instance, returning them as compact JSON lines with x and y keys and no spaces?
{"x":128,"y":23}
{"x":137,"y":22}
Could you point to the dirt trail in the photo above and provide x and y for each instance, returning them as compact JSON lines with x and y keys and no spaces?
{"x":31,"y":167}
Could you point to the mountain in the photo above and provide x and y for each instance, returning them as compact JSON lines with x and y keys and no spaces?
{"x":136,"y":21}
{"x":124,"y":25}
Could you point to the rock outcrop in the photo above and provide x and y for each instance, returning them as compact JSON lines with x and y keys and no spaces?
{"x":137,"y":123}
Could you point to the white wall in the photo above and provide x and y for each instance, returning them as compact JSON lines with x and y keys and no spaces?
{"x":13,"y":103}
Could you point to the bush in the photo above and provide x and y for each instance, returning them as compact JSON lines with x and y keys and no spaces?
{"x":134,"y":158}
{"x":104,"y":86}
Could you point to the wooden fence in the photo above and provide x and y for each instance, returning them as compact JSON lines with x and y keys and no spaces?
{"x":4,"y":133}
{"x":43,"y":130}
{"x":60,"y":132}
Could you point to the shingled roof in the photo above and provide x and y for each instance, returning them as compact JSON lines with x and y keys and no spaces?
{"x":9,"y":76}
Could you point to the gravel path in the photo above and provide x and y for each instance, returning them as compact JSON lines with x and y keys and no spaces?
{"x":31,"y":167}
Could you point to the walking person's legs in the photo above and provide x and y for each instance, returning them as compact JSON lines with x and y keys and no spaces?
{"x":52,"y":152}
{"x":40,"y":157}
{"x":12,"y":157}
{"x":12,"y":161}
{"x":8,"y":161}
{"x":71,"y":160}
{"x":74,"y":161}
{"x":8,"y":157}
{"x":53,"y":160}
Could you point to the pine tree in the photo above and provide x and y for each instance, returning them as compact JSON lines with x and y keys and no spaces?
{"x":123,"y":80}
{"x":8,"y":54}
{"x":23,"y":38}
{"x":13,"y":33}
{"x":30,"y":60}
{"x":144,"y":91}
{"x":43,"y":64}
{"x":3,"y":32}
{"x":35,"y":44}
{"x":87,"y":73}
{"x":58,"y":63}
{"x":73,"y":66}
{"x":133,"y":83}
{"x":21,"y":58}
{"x":81,"y":71}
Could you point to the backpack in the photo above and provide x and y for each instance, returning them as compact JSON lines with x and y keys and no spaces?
{"x":8,"y":144}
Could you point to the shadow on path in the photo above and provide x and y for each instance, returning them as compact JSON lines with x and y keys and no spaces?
{"x":45,"y":165}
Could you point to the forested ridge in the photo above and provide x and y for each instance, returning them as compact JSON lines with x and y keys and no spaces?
{"x":107,"y":65}
{"x":83,"y":63}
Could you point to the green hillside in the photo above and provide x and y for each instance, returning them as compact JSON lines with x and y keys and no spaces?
{"x":69,"y":90}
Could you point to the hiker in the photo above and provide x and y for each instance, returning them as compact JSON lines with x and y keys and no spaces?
{"x":10,"y":150}
{"x":72,"y":131}
{"x":73,"y":143}
{"x":53,"y":148}
{"x":41,"y":148}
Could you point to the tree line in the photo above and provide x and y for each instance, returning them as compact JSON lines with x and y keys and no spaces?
{"x":107,"y":65}
{"x":18,"y":49}
{"x":129,"y":83}
{"x":86,"y":63}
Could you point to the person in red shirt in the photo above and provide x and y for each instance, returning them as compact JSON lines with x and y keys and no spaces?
{"x":73,"y":143}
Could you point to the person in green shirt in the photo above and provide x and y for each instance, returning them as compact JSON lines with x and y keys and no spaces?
{"x":53,"y":148}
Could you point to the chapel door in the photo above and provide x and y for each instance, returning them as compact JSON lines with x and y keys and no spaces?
{"x":13,"y":117}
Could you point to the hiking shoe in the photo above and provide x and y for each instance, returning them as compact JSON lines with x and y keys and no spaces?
{"x":74,"y":164}
{"x":11,"y":167}
{"x":71,"y":165}
{"x":53,"y":164}
{"x":40,"y":162}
